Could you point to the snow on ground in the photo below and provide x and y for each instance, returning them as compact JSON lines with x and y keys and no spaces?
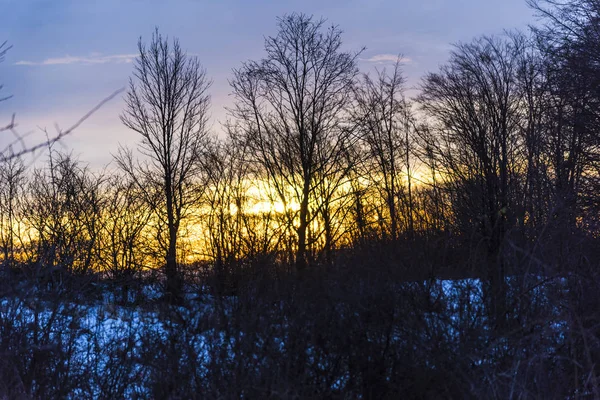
{"x":102,"y":336}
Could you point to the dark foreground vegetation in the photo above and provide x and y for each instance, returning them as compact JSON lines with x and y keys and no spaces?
{"x":341,"y":240}
{"x":355,"y":329}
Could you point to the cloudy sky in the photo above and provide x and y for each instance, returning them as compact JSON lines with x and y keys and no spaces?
{"x":67,"y":55}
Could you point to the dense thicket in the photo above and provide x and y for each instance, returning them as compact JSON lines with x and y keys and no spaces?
{"x":340,"y":240}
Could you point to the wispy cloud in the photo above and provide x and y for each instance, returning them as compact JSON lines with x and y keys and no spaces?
{"x":93,"y":58}
{"x":384,"y":58}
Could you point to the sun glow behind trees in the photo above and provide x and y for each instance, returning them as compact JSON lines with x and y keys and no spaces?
{"x":339,"y":240}
{"x":305,"y":187}
{"x":317,"y":157}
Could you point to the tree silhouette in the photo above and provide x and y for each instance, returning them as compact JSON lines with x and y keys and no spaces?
{"x":167,"y":104}
{"x":289,"y":110}
{"x":474,"y":101}
{"x":384,"y":121}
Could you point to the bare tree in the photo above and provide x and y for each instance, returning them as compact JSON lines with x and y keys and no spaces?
{"x":536,"y":106}
{"x":290,"y":111}
{"x":383,"y":117}
{"x":569,"y":41}
{"x":569,"y":24}
{"x":225,"y":204}
{"x":12,"y":182}
{"x":475,"y":104}
{"x":64,"y":209}
{"x":167,"y":104}
{"x":124,"y":236}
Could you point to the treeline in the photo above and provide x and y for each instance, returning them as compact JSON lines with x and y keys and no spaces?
{"x":334,"y":203}
{"x":499,"y":149}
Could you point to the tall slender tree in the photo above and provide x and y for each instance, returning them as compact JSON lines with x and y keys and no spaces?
{"x":167,"y":105}
{"x":12,"y":185}
{"x":383,"y":119}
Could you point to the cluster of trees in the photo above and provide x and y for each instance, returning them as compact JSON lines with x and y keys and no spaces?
{"x":503,"y":138}
{"x":324,"y":222}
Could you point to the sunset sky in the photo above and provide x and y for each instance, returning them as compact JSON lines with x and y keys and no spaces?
{"x":68,"y":55}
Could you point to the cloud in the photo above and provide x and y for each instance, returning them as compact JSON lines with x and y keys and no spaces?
{"x":383,"y":58}
{"x":93,"y":58}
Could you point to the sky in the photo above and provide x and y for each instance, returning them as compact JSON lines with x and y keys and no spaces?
{"x":68,"y":55}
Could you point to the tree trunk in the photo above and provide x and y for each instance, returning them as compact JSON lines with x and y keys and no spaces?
{"x":173,"y":291}
{"x":301,"y":252}
{"x":328,"y":237}
{"x":173,"y":283}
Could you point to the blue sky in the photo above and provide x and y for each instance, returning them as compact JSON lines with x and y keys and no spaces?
{"x":68,"y":55}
